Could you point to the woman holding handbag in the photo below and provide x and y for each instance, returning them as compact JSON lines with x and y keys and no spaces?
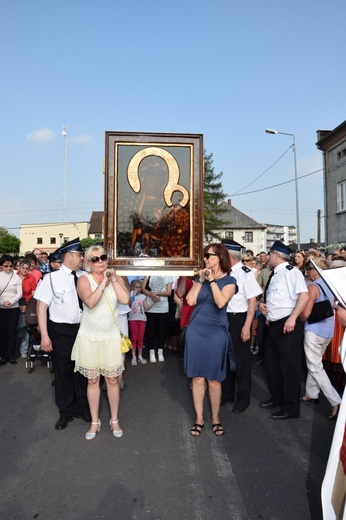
{"x":97,"y":347}
{"x":317,"y":336}
{"x":207,"y":335}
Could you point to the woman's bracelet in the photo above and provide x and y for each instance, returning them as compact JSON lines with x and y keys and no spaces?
{"x":116,"y":281}
{"x":213,"y":282}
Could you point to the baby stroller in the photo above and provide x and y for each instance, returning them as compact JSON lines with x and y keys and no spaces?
{"x":34,"y":350}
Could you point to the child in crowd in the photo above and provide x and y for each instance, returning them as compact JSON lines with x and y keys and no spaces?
{"x":137,"y":321}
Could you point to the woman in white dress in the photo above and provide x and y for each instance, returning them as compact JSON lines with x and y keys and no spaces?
{"x":97,"y":347}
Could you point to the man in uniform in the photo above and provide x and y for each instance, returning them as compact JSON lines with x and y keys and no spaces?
{"x":55,"y":260}
{"x":285,"y":297}
{"x":240,"y":313}
{"x":57,"y":292}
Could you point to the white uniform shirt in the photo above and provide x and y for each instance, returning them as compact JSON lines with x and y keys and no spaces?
{"x":58,"y":291}
{"x":247,"y":288}
{"x":283,"y":291}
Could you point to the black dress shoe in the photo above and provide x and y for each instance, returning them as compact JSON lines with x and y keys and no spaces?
{"x":239,"y":409}
{"x":267,"y":404}
{"x":85,"y":416}
{"x":281,"y":415}
{"x":63,"y":422}
{"x":13,"y":361}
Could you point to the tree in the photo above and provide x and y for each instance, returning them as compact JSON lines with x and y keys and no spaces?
{"x":213,"y":196}
{"x":87,"y":242}
{"x":9,"y":243}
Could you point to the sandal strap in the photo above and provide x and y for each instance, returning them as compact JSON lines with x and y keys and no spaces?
{"x":115,"y":422}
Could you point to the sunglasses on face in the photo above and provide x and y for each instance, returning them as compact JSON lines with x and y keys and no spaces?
{"x":208,"y":255}
{"x":246,"y":260}
{"x":95,"y":259}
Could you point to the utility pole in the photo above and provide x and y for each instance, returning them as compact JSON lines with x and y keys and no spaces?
{"x":64,"y":135}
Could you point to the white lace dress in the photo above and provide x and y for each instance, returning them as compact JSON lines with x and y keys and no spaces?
{"x":97,"y":347}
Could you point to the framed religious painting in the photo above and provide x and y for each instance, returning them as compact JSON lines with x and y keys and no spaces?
{"x":154,"y":201}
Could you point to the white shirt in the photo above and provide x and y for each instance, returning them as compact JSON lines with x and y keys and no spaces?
{"x":159,"y":284}
{"x":283,"y":291}
{"x":247,"y":288}
{"x":58,"y":291}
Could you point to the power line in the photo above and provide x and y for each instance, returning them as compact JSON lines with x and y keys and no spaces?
{"x":275,"y":185}
{"x":265,"y":171}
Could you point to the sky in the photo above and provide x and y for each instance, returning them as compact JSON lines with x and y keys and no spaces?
{"x":224,"y":69}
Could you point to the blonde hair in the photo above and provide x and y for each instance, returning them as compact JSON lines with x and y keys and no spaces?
{"x":88,"y":254}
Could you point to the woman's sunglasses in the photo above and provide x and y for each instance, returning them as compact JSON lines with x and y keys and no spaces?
{"x":95,"y":259}
{"x":208,"y":255}
{"x":246,"y":260}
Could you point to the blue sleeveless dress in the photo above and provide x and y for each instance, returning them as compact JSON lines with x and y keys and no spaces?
{"x":207,"y":339}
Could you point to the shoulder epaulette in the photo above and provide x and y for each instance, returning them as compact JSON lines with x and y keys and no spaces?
{"x":246,"y":269}
{"x":289,"y":267}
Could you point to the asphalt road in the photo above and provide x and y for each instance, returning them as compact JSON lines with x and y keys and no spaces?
{"x":260,"y":469}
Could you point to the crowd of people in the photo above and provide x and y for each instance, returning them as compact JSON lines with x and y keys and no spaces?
{"x":239,"y":309}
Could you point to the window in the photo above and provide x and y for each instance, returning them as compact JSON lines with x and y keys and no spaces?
{"x":341,"y":195}
{"x":66,"y":239}
{"x":338,"y":156}
{"x":52,"y":240}
{"x":248,"y":236}
{"x":98,"y":235}
{"x":229,"y":234}
{"x":39,"y":240}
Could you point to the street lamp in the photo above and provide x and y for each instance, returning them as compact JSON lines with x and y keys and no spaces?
{"x":271,"y":131}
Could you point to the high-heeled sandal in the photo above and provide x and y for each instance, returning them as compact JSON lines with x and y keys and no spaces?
{"x":116,"y":433}
{"x":334,"y":414}
{"x":89,"y":436}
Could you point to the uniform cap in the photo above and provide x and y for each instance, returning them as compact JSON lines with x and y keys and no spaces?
{"x":73,"y":246}
{"x":55,"y":257}
{"x":280,"y":247}
{"x":232,"y":245}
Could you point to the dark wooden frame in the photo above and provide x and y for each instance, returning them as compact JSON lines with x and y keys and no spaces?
{"x":123,"y":156}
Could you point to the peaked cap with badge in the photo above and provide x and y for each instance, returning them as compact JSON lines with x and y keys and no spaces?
{"x":73,"y":246}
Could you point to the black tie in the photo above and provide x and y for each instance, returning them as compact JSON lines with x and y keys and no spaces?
{"x":266,"y":287}
{"x":75,"y":282}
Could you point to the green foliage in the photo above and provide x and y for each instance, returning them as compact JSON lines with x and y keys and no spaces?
{"x":213,"y":196}
{"x":87,"y":242}
{"x":9,"y":243}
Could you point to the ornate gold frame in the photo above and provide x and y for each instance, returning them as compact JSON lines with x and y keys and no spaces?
{"x":154,"y":201}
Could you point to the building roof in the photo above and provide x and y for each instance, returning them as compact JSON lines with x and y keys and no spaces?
{"x":96,"y":222}
{"x":329,"y":137}
{"x":233,"y":218}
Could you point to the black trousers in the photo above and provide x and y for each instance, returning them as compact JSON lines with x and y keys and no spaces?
{"x":156,"y":329}
{"x":262,"y":331}
{"x":8,"y":332}
{"x":283,"y":363}
{"x":237,"y":385}
{"x":70,"y":386}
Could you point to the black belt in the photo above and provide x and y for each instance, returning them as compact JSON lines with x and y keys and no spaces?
{"x":237,"y":313}
{"x":63,"y":323}
{"x":277,"y":322}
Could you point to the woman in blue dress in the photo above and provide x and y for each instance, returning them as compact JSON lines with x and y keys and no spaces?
{"x":207,"y":335}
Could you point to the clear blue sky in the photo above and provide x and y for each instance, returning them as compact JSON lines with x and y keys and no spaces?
{"x":225,"y":69}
